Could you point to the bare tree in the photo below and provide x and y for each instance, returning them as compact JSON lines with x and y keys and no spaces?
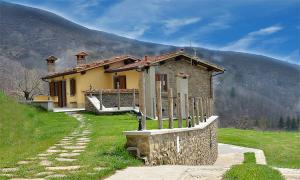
{"x":29,"y":83}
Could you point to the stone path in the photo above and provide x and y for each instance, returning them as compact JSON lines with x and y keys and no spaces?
{"x":58,"y":160}
{"x":228,"y":155}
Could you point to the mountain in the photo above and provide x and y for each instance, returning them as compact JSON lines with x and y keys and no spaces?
{"x":254,"y":90}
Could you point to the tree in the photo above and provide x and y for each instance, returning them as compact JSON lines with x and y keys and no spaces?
{"x":281,"y":123}
{"x":294,"y":124}
{"x":29,"y":83}
{"x":288,"y":124}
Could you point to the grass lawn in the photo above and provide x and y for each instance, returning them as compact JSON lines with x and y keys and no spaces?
{"x":26,"y":131}
{"x":250,"y":170}
{"x":282,"y":149}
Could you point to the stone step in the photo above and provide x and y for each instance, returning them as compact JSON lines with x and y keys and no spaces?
{"x":65,"y":159}
{"x":62,"y":168}
{"x":45,"y":163}
{"x":74,"y":147}
{"x":68,"y":154}
{"x":46,"y":173}
{"x":8,"y":170}
{"x":24,"y":162}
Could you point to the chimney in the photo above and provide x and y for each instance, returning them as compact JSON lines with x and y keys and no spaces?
{"x":51,"y":64}
{"x":81,"y":58}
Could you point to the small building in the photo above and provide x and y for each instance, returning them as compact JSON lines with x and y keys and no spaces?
{"x":185,"y":74}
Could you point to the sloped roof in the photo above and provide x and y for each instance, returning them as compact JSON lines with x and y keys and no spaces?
{"x":150,"y":60}
{"x":85,"y":67}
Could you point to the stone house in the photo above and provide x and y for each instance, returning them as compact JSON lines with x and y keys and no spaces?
{"x":178,"y":70}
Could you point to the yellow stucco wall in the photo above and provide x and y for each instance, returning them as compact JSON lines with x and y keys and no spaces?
{"x":98,"y":79}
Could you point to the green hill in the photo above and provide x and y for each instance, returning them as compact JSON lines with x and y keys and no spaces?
{"x":26,"y":131}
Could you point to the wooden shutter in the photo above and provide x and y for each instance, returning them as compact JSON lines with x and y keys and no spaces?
{"x":51,"y":88}
{"x":72,"y":87}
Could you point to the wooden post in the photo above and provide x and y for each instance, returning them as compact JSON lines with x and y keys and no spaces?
{"x":142,"y":98}
{"x":212,"y":106}
{"x":204,"y":107}
{"x":133,"y":97}
{"x":201,"y":109}
{"x":208,"y":108}
{"x":158,"y":104}
{"x":186,"y":107}
{"x":119,"y":98}
{"x":101,"y":102}
{"x":197,"y":111}
{"x":193,"y":112}
{"x":179,"y":115}
{"x":170,"y":104}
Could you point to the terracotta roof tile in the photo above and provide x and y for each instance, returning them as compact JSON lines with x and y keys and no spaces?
{"x":150,"y":60}
{"x":88,"y":66}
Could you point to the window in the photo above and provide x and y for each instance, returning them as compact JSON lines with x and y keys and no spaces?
{"x":72,"y":87}
{"x":121,"y":80}
{"x":164,"y":81}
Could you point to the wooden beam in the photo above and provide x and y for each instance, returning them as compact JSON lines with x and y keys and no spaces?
{"x":186,"y":107}
{"x":119,"y":96}
{"x":201,"y":109}
{"x":179,"y":115}
{"x":158,"y":104}
{"x":170,"y":104}
{"x":193,"y":111}
{"x":197,"y":111}
{"x":101,"y":100}
{"x":133,"y":97}
{"x":142,"y":98}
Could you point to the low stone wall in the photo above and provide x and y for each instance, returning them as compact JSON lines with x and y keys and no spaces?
{"x":46,"y":104}
{"x":110,"y":97}
{"x":179,"y":146}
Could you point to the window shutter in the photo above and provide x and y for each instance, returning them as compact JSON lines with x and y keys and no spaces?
{"x":72,"y":87}
{"x":51,"y":88}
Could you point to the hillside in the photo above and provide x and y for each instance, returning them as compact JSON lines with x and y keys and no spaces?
{"x":25,"y":130}
{"x":253,"y":88}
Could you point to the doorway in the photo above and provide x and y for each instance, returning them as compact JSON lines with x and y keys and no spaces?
{"x":62,"y":97}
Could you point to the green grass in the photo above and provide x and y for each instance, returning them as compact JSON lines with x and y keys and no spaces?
{"x":107,"y":146}
{"x":249,"y":157}
{"x":250,"y":170}
{"x":25,"y":130}
{"x":282,"y":149}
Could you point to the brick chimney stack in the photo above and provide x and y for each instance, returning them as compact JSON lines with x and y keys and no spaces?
{"x":81,"y":58}
{"x":51,"y":63}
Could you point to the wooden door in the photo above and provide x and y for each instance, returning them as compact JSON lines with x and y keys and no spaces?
{"x":62,"y":97}
{"x":59,"y":85}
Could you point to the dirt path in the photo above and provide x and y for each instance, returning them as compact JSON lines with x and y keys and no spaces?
{"x":58,"y":160}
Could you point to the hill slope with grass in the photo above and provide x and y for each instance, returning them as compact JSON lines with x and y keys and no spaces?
{"x":26,"y":130}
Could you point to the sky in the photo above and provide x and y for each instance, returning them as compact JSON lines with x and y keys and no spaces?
{"x":266,"y":27}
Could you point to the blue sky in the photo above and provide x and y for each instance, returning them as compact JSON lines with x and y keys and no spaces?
{"x":267,"y":27}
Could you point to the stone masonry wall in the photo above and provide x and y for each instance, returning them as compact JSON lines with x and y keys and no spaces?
{"x":198,"y":82}
{"x":196,"y":146}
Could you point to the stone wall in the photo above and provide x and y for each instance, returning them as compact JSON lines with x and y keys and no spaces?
{"x":110,"y":97}
{"x":179,"y":146}
{"x":199,"y":84}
